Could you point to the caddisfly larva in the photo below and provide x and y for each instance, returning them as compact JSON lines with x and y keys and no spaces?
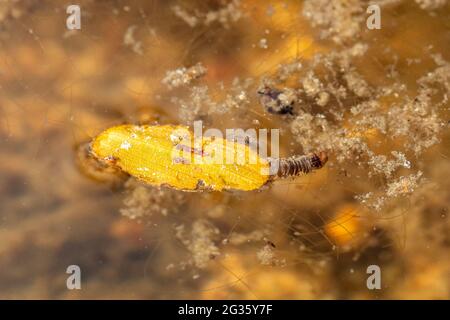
{"x":296,"y":165}
{"x":157,"y":156}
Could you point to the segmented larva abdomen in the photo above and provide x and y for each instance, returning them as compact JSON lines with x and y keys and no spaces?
{"x":294,"y":166}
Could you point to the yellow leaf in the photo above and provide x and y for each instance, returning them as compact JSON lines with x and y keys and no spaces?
{"x":169,"y":155}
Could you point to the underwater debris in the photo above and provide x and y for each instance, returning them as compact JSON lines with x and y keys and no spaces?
{"x":191,"y":20}
{"x":263,"y":43}
{"x":277,"y":101}
{"x":267,"y":257}
{"x":333,"y":80}
{"x":10,"y":10}
{"x":431,"y":4}
{"x":404,"y":185}
{"x":143,"y":201}
{"x":183,"y":76}
{"x":198,"y":97}
{"x":241,"y":238}
{"x":202,"y":101}
{"x":230,"y":12}
{"x":395,"y":188}
{"x":288,"y":69}
{"x":131,"y":42}
{"x":200,"y":242}
{"x":41,"y":120}
{"x":381,"y":165}
{"x":339,"y":20}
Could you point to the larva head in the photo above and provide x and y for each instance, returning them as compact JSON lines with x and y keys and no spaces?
{"x":319,"y":159}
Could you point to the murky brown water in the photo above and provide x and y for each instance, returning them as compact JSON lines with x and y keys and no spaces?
{"x":305,"y":238}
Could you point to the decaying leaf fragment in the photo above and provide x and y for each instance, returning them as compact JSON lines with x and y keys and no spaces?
{"x":165,"y":155}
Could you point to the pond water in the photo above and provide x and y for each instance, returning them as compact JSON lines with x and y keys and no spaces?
{"x":375,"y":100}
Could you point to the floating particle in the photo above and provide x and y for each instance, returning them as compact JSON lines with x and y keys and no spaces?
{"x":165,"y":155}
{"x":340,"y":21}
{"x":142,"y":201}
{"x":191,"y":20}
{"x":183,"y":76}
{"x":266,"y":255}
{"x":263,"y":43}
{"x":200,"y":241}
{"x":404,"y":185}
{"x":225,"y":15}
{"x":431,"y":4}
{"x":277,"y":101}
{"x":323,"y":98}
{"x":130,"y":41}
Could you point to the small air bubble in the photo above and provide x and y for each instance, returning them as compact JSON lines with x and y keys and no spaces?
{"x":125,"y":145}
